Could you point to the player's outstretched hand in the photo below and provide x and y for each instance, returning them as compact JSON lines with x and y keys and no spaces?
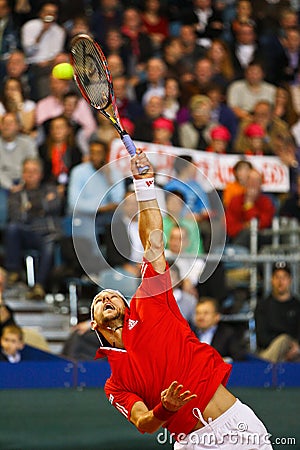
{"x":175,"y":397}
{"x":141,"y":160}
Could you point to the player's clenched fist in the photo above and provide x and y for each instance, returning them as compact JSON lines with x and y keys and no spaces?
{"x":140,"y":160}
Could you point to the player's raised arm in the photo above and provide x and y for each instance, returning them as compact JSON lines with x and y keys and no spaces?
{"x":150,"y":219}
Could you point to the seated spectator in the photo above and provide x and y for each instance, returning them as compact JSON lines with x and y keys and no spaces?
{"x":210,"y":330}
{"x":78,"y":25}
{"x":126,"y":106}
{"x":70,"y":103}
{"x":107,"y":14}
{"x":185,"y":300}
{"x":163,"y":131}
{"x":171,"y":98}
{"x":114,"y":45}
{"x":192,"y":52}
{"x":172,"y":52}
{"x":11,"y":344}
{"x":176,"y":214}
{"x":205,"y":76}
{"x":155,"y":22}
{"x":255,"y":134}
{"x":153,"y":109}
{"x":273,"y":126}
{"x":137,"y":43}
{"x":14,"y":148}
{"x":291,"y":206}
{"x":105,"y":131}
{"x":33,"y":214}
{"x":14,"y":100}
{"x":243,"y":95}
{"x":92,"y":201}
{"x":42,"y":39}
{"x":245,"y":48}
{"x":246,"y":206}
{"x":243,"y":14}
{"x":220,"y":137}
{"x":53,"y":106}
{"x":154,"y":83}
{"x":190,"y":267}
{"x":195,"y":133}
{"x":59,"y":153}
{"x":277,"y":319}
{"x":9,"y":35}
{"x":17,"y":67}
{"x":221,"y":113}
{"x":241,"y":171}
{"x":283,"y":106}
{"x":220,"y":56}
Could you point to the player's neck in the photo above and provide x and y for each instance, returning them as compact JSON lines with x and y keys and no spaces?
{"x":113,"y":334}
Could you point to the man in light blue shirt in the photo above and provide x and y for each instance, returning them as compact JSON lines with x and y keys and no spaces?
{"x":94,"y":192}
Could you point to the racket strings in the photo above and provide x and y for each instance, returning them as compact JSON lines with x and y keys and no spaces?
{"x":91,"y":73}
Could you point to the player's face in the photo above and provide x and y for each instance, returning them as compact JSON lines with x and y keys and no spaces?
{"x":108,"y":307}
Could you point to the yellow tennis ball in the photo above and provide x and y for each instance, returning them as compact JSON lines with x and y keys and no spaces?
{"x":63,"y":71}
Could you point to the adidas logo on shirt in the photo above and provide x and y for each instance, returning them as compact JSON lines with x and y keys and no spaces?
{"x":132,"y":324}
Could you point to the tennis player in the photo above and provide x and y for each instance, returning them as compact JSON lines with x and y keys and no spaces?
{"x":161,"y":374}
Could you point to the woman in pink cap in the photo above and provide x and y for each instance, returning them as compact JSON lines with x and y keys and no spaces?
{"x":220,"y":137}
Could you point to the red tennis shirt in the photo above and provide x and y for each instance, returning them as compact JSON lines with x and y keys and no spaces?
{"x":161,"y":348}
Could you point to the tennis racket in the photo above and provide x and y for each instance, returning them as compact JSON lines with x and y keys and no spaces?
{"x":94,"y":81}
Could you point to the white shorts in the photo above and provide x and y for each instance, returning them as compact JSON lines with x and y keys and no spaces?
{"x":237,"y":428}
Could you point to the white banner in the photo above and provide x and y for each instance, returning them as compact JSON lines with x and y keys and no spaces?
{"x":215,"y":171}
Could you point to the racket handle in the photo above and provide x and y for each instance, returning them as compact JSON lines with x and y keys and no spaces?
{"x":131,"y":148}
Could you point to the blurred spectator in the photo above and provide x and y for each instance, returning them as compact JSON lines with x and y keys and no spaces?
{"x":190,"y":268}
{"x":243,"y":14}
{"x":196,"y":132}
{"x":283,"y":106}
{"x":171,"y":98}
{"x":177,"y":215}
{"x":273,"y":18}
{"x":42,"y":40}
{"x":78,"y":25}
{"x":220,"y":137}
{"x":116,"y":66}
{"x":17,"y":67}
{"x":155,"y":22}
{"x":246,"y":206}
{"x":244,"y":94}
{"x":70,"y":103}
{"x":291,"y":206}
{"x":210,"y":330}
{"x":255,"y":135}
{"x":14,"y":148}
{"x":105,"y":130}
{"x":192,"y":52}
{"x":283,"y":65}
{"x":33,"y":224}
{"x":127,"y":107}
{"x":207,"y":21}
{"x":122,"y":241}
{"x":245,"y":48}
{"x":153,"y":110}
{"x":6,"y":314}
{"x":53,"y":106}
{"x":241,"y":171}
{"x":286,"y":149}
{"x":273,"y":126}
{"x":11,"y":344}
{"x":107,"y":14}
{"x":14,"y":100}
{"x":277,"y":319}
{"x":195,"y":198}
{"x":114,"y":45}
{"x":88,"y":175}
{"x":154,"y":84}
{"x":205,"y":75}
{"x":137,"y":44}
{"x":163,"y":130}
{"x":172,"y":53}
{"x":185,"y":300}
{"x":221,"y":113}
{"x":59,"y":153}
{"x":220,"y":56}
{"x":9,"y":33}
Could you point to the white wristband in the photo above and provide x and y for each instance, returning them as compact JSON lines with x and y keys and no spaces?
{"x":144,"y":189}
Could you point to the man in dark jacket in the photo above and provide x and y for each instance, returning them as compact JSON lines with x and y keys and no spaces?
{"x":278,"y":319}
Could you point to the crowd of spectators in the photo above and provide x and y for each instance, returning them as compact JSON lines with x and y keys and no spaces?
{"x":220,"y":76}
